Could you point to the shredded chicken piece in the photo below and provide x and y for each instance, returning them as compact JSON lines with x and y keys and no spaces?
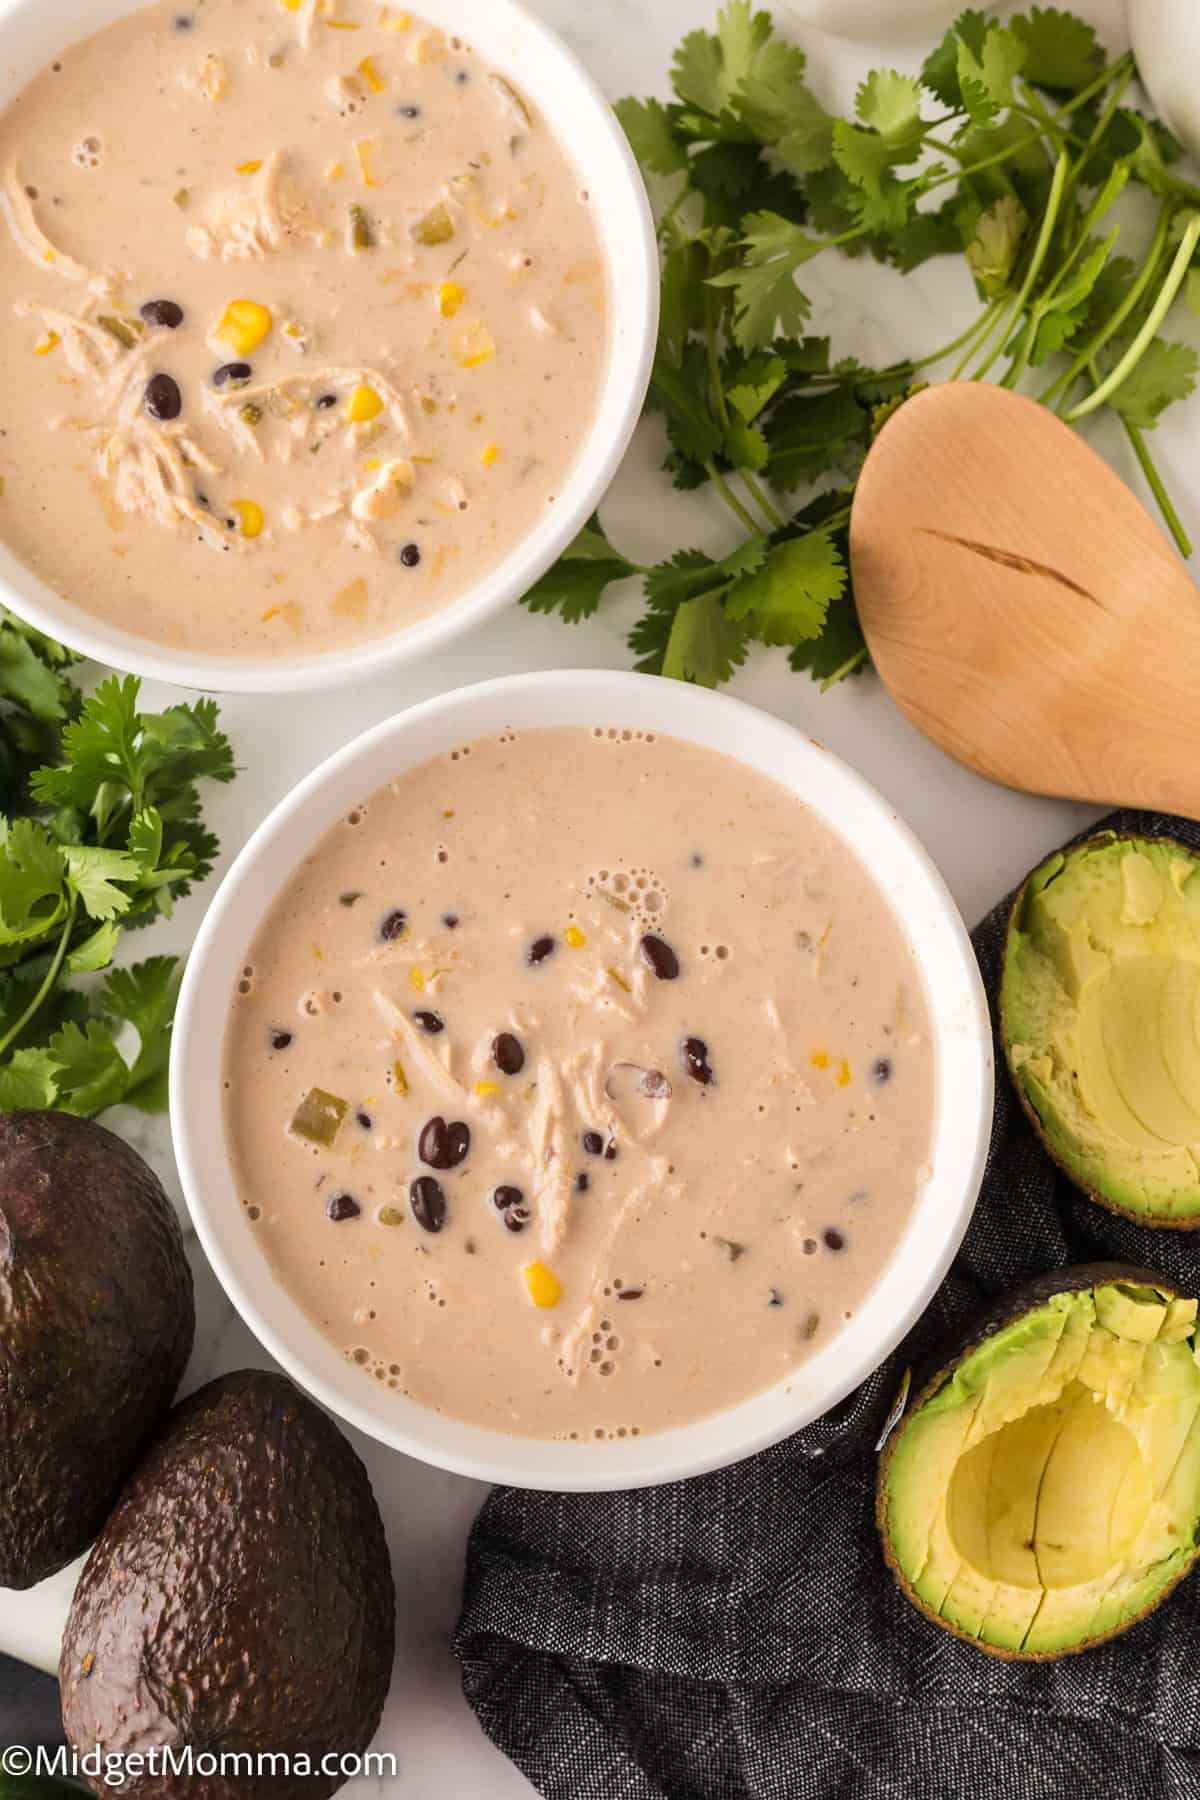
{"x":296,"y":518}
{"x":145,"y":465}
{"x":33,"y":243}
{"x":88,"y":348}
{"x":306,"y":23}
{"x":417,"y":1054}
{"x":247,"y":223}
{"x":551,"y":1165}
{"x":383,"y":497}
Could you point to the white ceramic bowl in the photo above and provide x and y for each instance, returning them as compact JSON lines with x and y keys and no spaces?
{"x":33,"y":32}
{"x":963,"y":1048}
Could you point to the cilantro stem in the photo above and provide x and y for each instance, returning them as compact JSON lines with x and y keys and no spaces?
{"x":764,"y":500}
{"x":1158,"y":488}
{"x":1101,"y":126}
{"x":1036,"y":261}
{"x":50,"y":978}
{"x":847,"y":668}
{"x":1113,"y":324}
{"x":1149,"y":331}
{"x":977,"y":337}
{"x":731,"y":500}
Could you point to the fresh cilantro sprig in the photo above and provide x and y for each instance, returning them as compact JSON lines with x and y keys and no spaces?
{"x":100,"y":831}
{"x":1010,"y":149}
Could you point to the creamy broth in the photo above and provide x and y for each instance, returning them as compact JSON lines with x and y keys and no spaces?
{"x":580,"y":1084}
{"x":304,"y":323}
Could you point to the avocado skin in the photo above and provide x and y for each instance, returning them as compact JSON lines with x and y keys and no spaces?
{"x":1011,"y":1307}
{"x":96,"y":1327}
{"x":240,"y":1598}
{"x":1139,"y":1215}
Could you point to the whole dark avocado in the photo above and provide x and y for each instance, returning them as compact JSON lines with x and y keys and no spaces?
{"x":96,"y":1326}
{"x":239,"y":1601}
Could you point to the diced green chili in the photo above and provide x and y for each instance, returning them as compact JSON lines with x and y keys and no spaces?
{"x":437,"y":227}
{"x":318,"y":1118}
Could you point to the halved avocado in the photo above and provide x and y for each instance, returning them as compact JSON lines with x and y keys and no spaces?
{"x":1100,"y":1017}
{"x":1042,"y":1494}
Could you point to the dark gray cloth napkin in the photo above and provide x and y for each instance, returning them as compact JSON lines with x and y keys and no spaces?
{"x":737,"y":1637}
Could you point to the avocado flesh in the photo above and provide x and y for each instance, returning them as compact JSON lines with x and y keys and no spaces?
{"x":1100,"y":1003}
{"x":1064,"y":1512}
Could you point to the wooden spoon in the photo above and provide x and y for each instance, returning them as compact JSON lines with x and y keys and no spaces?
{"x":1022,"y":606}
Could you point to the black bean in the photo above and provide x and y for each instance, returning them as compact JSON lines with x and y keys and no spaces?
{"x":539,"y":950}
{"x":365,"y":1121}
{"x":162,"y":399}
{"x":183,"y":22}
{"x":234,"y":374}
{"x":593,"y":1143}
{"x":343,"y":1207}
{"x":583,"y":1182}
{"x":631,"y":1293}
{"x":163,"y":312}
{"x":281,"y":1040}
{"x":450,"y":921}
{"x":410,"y":556}
{"x":508,"y":1053}
{"x":697,"y":860}
{"x":428,"y":1203}
{"x":323,"y":402}
{"x":774,"y":1297}
{"x":409,"y":112}
{"x":834,"y":1240}
{"x":694,"y":1052}
{"x":659,"y":958}
{"x":882,"y":1070}
{"x":394,"y":927}
{"x":442,"y":1146}
{"x":516,"y":1219}
{"x":610,"y":1151}
{"x":505,"y":1198}
{"x":430,"y":1023}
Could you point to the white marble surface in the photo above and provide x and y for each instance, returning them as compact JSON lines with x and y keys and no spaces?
{"x":983,"y":838}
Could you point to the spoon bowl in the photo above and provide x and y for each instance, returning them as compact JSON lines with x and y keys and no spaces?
{"x":1023,"y":608}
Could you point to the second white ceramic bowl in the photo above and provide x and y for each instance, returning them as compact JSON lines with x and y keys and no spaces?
{"x":33,"y":33}
{"x":835,"y":794}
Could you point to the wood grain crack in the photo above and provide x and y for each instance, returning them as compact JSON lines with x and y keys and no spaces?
{"x":1012,"y":559}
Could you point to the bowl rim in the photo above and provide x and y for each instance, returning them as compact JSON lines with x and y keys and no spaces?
{"x":633,"y":340}
{"x":963,"y":1061}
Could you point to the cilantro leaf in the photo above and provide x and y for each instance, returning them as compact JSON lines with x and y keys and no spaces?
{"x":1167,"y":373}
{"x":776,"y":104}
{"x":647,"y":125}
{"x":575,"y":585}
{"x":706,"y":646}
{"x":93,"y":873}
{"x":28,"y":1082}
{"x":27,"y":679}
{"x":940,"y":71}
{"x":90,"y":1072}
{"x":145,"y":996}
{"x":33,"y":874}
{"x":97,"y":951}
{"x":708,"y":70}
{"x":787,"y":601}
{"x":1061,"y":50}
{"x":996,"y":244}
{"x":986,"y":78}
{"x":890,"y":104}
{"x":767,"y":301}
{"x":681,"y":393}
{"x":753,"y":384}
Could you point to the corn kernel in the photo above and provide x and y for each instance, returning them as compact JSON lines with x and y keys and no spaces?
{"x":292,"y":5}
{"x":819,"y":1059}
{"x":250,"y":168}
{"x":362,"y":149}
{"x":50,"y":342}
{"x":485,"y":1089}
{"x":450,"y":299}
{"x":417,"y":980}
{"x":391,"y":21}
{"x":364,"y":405}
{"x":335,"y":171}
{"x":244,"y":326}
{"x":400,"y":1079}
{"x":477,"y":347}
{"x":574,"y":937}
{"x":544,"y":1290}
{"x":342,"y":24}
{"x":491,"y":456}
{"x":371,"y":75}
{"x":250,"y":516}
{"x":843,"y":1074}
